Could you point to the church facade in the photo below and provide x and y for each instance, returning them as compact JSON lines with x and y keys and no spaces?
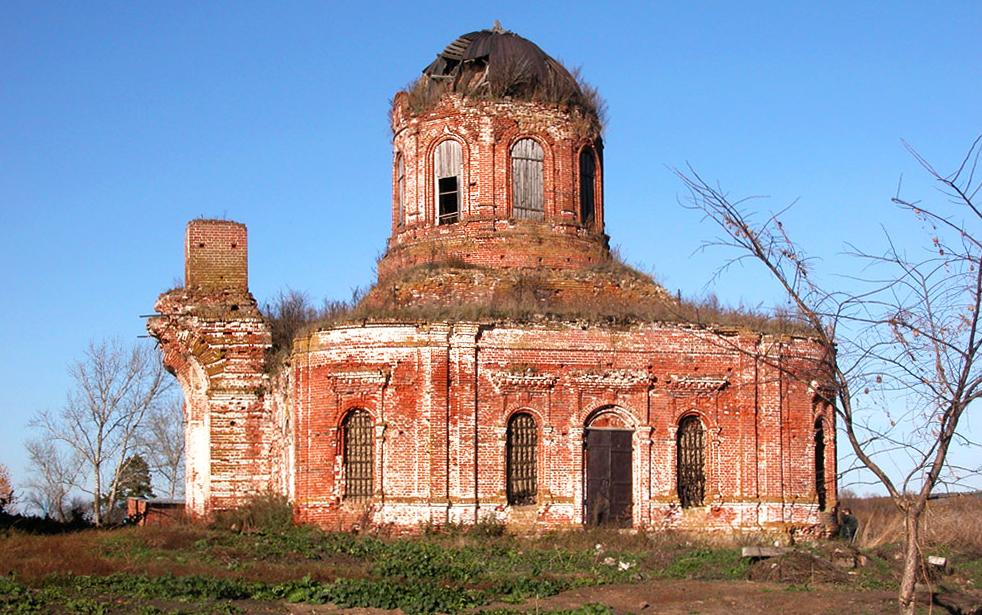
{"x":503,"y":367}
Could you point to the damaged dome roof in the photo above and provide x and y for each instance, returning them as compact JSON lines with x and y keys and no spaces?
{"x":498,"y":63}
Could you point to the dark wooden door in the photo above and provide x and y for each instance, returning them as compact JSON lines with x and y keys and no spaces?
{"x":608,"y":477}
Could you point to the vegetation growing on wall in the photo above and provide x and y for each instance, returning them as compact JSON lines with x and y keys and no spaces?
{"x":585,"y":102}
{"x":521,"y":297}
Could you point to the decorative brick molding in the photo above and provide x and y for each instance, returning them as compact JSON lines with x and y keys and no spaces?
{"x":614,"y":379}
{"x":695,"y":385}
{"x":511,"y":381}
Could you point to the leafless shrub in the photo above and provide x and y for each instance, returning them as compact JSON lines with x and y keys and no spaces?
{"x":286,"y":315}
{"x":293,"y":312}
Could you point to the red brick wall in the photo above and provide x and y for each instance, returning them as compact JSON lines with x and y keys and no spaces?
{"x":441,"y":396}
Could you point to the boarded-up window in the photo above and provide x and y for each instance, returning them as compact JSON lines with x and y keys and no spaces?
{"x":448,"y":180}
{"x":359,"y":455}
{"x":522,"y":444}
{"x":588,"y":174}
{"x":400,"y":189}
{"x":691,"y":462}
{"x":820,"y":489}
{"x":528,"y":194}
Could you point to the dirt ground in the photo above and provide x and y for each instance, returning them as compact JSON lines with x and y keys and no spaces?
{"x":719,"y":597}
{"x":692,"y":598}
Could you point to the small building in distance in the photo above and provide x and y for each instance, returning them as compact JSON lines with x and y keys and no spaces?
{"x":504,"y":365}
{"x":155,"y":511}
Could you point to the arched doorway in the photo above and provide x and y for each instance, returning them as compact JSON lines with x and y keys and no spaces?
{"x":609,"y":473}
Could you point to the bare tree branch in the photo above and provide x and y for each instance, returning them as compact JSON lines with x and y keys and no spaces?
{"x":161,"y":442}
{"x":910,"y":333}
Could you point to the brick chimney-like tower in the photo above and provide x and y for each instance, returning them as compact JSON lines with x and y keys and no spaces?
{"x":216,"y":256}
{"x":215,"y":341}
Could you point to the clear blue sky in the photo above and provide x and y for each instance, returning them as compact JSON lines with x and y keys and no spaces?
{"x":119,"y":122}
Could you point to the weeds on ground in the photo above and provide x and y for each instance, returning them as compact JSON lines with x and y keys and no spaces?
{"x":444,"y":570}
{"x":441,"y":572}
{"x":521,"y":296}
{"x":708,"y":564}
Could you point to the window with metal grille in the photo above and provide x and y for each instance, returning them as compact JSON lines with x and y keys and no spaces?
{"x":448,"y":175}
{"x":588,"y":172}
{"x":820,"y":489}
{"x":400,"y":189}
{"x":522,"y":444}
{"x":359,"y":455}
{"x":691,"y":462}
{"x":527,"y":191}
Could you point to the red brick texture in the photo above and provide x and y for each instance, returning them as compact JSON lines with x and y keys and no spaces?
{"x":441,"y":396}
{"x":215,"y":255}
{"x":487,"y":234}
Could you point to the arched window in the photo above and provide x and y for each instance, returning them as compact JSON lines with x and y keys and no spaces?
{"x":448,"y":180}
{"x":528,"y":194}
{"x":359,"y":455}
{"x":400,"y":189}
{"x":691,"y":462}
{"x":588,"y":174}
{"x":820,"y":488}
{"x":521,"y":450}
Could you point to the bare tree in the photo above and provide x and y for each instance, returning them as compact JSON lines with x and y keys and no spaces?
{"x":903,"y":350}
{"x":53,"y":474}
{"x":114,"y":388}
{"x":162,"y":444}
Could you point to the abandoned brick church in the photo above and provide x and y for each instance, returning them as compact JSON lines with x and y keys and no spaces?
{"x":504,"y":366}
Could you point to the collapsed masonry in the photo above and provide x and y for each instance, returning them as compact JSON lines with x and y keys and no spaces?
{"x":444,"y":402}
